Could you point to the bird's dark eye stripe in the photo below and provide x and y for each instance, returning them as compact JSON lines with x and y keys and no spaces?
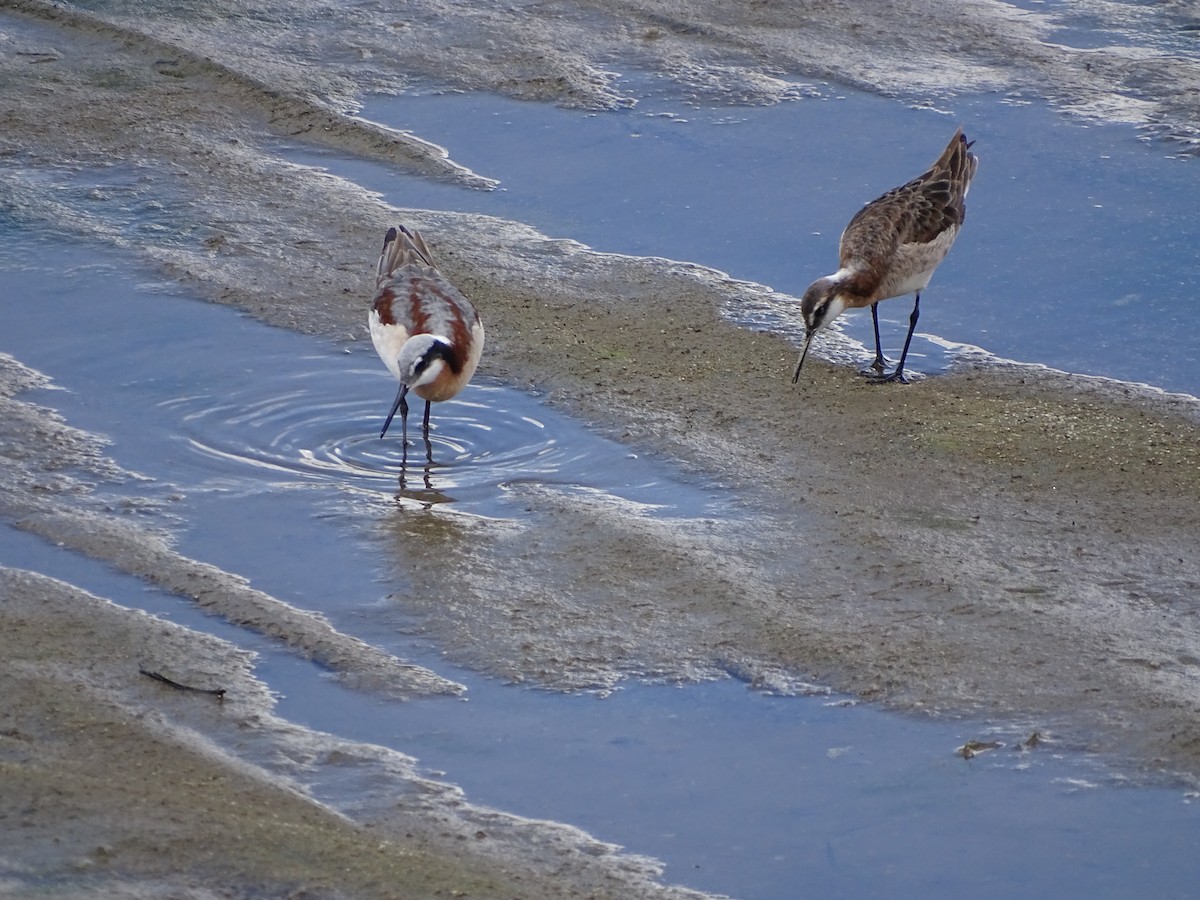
{"x":436,"y":351}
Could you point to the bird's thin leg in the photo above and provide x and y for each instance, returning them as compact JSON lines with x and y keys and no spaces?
{"x":880,"y":363}
{"x":428,"y":464}
{"x":912,"y":326}
{"x":428,"y":467}
{"x":403,"y":442}
{"x":428,"y":445}
{"x":898,"y":375}
{"x":404,"y":424}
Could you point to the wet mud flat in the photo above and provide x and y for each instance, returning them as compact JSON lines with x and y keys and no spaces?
{"x":1004,"y":540}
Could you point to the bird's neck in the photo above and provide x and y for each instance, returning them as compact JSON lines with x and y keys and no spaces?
{"x":855,"y":283}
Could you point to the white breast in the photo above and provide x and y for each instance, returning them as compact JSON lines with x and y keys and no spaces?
{"x":388,"y":339}
{"x":913,"y":265}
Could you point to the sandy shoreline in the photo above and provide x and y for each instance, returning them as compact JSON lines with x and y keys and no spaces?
{"x":1006,"y":541}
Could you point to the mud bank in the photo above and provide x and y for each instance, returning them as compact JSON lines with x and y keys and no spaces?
{"x":119,"y":784}
{"x":1007,"y":541}
{"x":309,"y":58}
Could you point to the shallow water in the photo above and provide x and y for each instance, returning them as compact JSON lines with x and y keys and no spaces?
{"x":264,"y":444}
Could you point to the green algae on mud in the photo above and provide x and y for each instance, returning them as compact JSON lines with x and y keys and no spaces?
{"x":1083,"y":431}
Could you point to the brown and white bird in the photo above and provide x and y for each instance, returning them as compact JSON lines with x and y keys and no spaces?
{"x":891,"y":248}
{"x":425,"y":331}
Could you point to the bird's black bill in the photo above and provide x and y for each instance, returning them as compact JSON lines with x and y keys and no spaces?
{"x":803,"y":353}
{"x":401,"y":405}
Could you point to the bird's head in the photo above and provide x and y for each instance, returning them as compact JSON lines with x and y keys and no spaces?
{"x":823,"y":302}
{"x":422,"y":359}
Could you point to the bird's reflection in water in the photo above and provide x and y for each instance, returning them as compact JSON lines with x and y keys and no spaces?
{"x":420,"y":489}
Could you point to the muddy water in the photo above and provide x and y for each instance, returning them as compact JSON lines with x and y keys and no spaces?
{"x":263,"y":446}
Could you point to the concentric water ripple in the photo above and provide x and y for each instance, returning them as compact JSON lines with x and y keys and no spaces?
{"x":321,"y":425}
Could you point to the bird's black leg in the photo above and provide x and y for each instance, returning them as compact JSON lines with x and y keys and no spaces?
{"x":898,"y":375}
{"x":880,"y":363}
{"x":403,"y":439}
{"x":403,"y":444}
{"x":403,"y":422}
{"x":428,"y":464}
{"x":425,"y":434}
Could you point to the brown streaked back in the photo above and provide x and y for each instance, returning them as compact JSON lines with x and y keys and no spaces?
{"x":925,"y":212}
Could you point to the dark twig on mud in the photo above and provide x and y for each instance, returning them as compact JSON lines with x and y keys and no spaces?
{"x":219,"y":693}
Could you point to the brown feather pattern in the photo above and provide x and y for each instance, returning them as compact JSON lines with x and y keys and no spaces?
{"x":892,"y":247}
{"x":915,"y":215}
{"x":413,"y":297}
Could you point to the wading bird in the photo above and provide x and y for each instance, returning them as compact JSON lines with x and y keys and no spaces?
{"x":891,"y":248}
{"x":425,"y":331}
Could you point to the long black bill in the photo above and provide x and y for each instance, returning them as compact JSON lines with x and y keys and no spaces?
{"x":803,"y":353}
{"x":401,"y":405}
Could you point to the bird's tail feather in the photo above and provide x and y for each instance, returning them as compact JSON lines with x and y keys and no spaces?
{"x":956,"y":165}
{"x":402,"y":247}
